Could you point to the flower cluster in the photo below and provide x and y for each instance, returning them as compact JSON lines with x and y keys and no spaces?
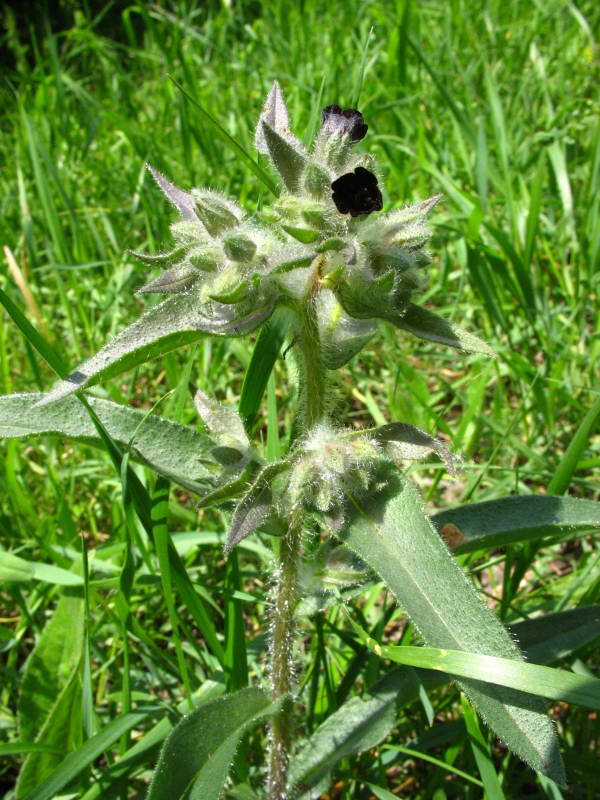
{"x":322,"y":237}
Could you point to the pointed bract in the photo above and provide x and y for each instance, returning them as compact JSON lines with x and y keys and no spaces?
{"x":182,"y":201}
{"x":173,"y":281}
{"x":287,"y":155}
{"x":224,"y":424}
{"x":275,"y":114}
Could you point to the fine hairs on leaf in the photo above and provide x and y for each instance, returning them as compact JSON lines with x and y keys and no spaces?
{"x":314,"y":273}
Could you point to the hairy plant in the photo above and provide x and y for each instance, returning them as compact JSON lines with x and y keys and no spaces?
{"x":318,"y":268}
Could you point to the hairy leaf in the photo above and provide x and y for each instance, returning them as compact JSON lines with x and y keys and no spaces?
{"x":197,"y":755}
{"x":177,"y":321}
{"x":406,"y":442}
{"x":287,"y":155}
{"x":514,"y":519}
{"x":275,"y":114}
{"x":254,"y":507}
{"x":393,"y":535}
{"x":49,"y":705}
{"x":183,"y":201}
{"x":427,"y":325}
{"x":173,"y":450}
{"x":357,"y":725}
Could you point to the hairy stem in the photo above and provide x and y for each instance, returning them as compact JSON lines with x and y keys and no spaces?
{"x":313,"y":386}
{"x":281,"y":654}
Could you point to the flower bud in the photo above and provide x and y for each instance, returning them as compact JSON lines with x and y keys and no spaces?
{"x":216,"y":213}
{"x":228,"y":287}
{"x":330,"y":467}
{"x":206,"y":258}
{"x":239,"y":247}
{"x":317,"y":180}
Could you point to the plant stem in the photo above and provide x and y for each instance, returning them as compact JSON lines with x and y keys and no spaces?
{"x":281,"y":654}
{"x":313,"y":385}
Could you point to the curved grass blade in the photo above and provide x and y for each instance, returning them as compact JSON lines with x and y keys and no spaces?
{"x":81,"y":758}
{"x":555,"y":684}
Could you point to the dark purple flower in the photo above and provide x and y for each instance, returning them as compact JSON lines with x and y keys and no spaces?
{"x":356,"y":193}
{"x":340,"y":122}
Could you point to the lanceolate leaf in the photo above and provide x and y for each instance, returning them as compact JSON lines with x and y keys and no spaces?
{"x":287,"y":155}
{"x":49,"y":706}
{"x":275,"y":114}
{"x":356,"y":726}
{"x":254,"y":507}
{"x":197,"y":755}
{"x":177,"y":321}
{"x":393,"y":535}
{"x":515,"y":519}
{"x":427,"y":325}
{"x":173,"y":450}
{"x":550,"y":637}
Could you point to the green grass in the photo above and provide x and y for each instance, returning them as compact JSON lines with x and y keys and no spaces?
{"x":494,"y":105}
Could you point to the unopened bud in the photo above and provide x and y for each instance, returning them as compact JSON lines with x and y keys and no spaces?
{"x":216,"y":213}
{"x":239,"y":247}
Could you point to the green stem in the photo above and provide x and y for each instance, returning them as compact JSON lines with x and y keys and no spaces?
{"x":313,"y":385}
{"x":313,"y":374}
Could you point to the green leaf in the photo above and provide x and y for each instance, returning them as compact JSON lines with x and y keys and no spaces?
{"x":393,"y":535}
{"x":177,"y":321}
{"x":267,"y":347}
{"x":173,"y":450}
{"x":427,"y":325}
{"x":550,"y":637}
{"x":406,"y":442}
{"x":544,"y":639}
{"x":49,"y":705}
{"x":62,"y":731}
{"x":50,"y":666}
{"x":197,"y":755}
{"x":255,"y":506}
{"x":342,"y":336}
{"x":568,"y":463}
{"x":77,"y":761}
{"x":356,"y":726}
{"x":223,"y":423}
{"x":481,"y":753}
{"x":13,"y":568}
{"x":145,"y":750}
{"x":515,"y":519}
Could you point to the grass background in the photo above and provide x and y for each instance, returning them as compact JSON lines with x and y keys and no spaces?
{"x":494,"y":104}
